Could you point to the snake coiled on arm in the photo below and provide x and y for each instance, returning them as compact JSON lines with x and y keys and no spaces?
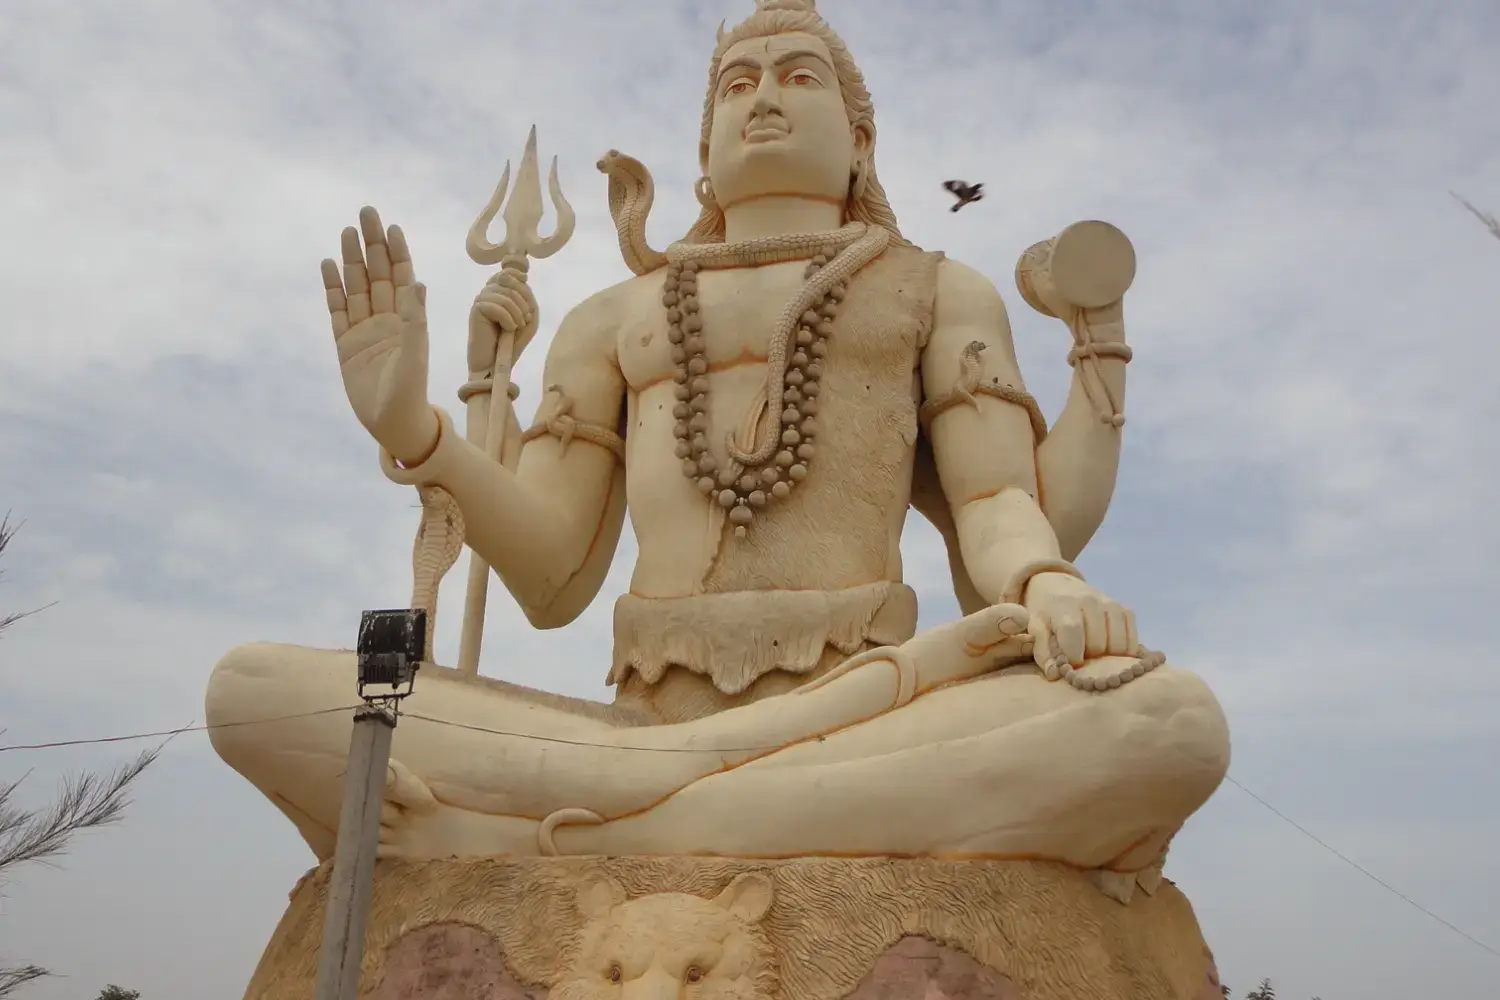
{"x":631,"y":193}
{"x":439,"y":542}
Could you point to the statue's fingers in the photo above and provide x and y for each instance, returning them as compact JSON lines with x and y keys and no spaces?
{"x":382,"y":296}
{"x":1041,"y":638}
{"x":401,"y":266}
{"x":498,"y":314}
{"x":370,"y":227}
{"x":1132,"y":638}
{"x":515,"y":282}
{"x":522,"y":291}
{"x":1045,"y":646}
{"x":413,"y":338}
{"x":517,"y":310}
{"x":411,"y":303}
{"x":1118,"y":630}
{"x":356,"y":276}
{"x":1069,"y":630}
{"x":333,"y":291}
{"x":1095,"y":627}
{"x":377,"y":261}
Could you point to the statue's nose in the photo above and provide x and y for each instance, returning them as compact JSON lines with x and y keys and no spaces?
{"x":766,"y":97}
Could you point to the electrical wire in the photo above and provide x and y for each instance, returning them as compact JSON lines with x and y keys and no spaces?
{"x":171,"y":733}
{"x":408,"y":715}
{"x":559,"y":740}
{"x":1361,"y":869}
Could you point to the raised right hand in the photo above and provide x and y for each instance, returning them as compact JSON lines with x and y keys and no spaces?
{"x":379,"y":314}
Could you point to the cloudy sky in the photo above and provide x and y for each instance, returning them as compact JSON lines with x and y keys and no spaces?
{"x":1305,"y":509}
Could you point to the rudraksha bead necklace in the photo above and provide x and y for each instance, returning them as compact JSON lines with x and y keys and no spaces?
{"x":778,"y":460}
{"x":744,"y":492}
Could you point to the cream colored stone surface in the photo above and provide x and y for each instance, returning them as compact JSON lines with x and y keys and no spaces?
{"x":764,"y":400}
{"x":661,"y":928}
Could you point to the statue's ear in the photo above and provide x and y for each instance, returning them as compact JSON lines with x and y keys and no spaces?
{"x":598,"y":895}
{"x":748,"y":896}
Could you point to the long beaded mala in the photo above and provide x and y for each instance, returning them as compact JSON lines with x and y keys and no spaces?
{"x":746,"y":485}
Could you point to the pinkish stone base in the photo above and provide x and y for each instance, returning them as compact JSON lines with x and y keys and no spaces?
{"x":457,"y":962}
{"x":448,"y":962}
{"x":918,"y":969}
{"x":870,"y":929}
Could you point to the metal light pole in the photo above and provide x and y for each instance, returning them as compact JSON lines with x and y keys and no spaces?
{"x":389,"y":653}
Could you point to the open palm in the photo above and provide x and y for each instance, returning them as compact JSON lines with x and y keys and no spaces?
{"x":379,"y":314}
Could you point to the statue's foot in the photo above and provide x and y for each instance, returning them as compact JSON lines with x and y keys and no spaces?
{"x":448,"y":831}
{"x":408,"y":802}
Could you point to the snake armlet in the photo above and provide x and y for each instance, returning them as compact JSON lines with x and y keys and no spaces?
{"x":1105,"y":349}
{"x":567,"y":429}
{"x":934,"y":408}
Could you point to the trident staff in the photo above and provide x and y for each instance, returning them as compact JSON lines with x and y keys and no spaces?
{"x":489,"y":420}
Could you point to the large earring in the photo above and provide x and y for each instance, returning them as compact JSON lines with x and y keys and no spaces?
{"x":704,"y":189}
{"x":859,"y":179}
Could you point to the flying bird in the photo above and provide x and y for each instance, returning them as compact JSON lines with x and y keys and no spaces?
{"x":964,"y":192}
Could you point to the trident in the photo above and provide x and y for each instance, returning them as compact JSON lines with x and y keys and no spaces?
{"x":489,"y":421}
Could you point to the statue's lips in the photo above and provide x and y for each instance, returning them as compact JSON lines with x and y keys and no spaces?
{"x":765,"y":133}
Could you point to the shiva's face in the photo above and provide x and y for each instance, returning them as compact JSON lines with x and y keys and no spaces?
{"x":779,"y":123}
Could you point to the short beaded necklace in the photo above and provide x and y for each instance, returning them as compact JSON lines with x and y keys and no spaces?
{"x":752,"y":480}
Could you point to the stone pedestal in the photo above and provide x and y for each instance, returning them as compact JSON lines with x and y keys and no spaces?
{"x":820,"y":929}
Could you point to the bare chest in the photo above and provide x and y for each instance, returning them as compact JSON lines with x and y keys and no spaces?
{"x":841,"y":526}
{"x":739,"y":308}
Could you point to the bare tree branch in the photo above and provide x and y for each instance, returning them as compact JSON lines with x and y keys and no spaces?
{"x":1490,"y":222}
{"x":40,"y":836}
{"x":86,"y":802}
{"x":7,"y":532}
{"x":13,"y":979}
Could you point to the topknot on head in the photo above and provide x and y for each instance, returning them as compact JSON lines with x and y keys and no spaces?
{"x":772,"y":7}
{"x":806,"y":6}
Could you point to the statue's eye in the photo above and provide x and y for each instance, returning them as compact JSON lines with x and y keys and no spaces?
{"x":693,"y":974}
{"x":615,"y":973}
{"x":739,"y":86}
{"x":803,"y":77}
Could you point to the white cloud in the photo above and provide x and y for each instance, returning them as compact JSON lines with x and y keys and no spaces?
{"x":1304,"y":513}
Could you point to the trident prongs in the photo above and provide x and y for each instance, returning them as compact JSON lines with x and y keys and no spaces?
{"x":523,"y":214}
